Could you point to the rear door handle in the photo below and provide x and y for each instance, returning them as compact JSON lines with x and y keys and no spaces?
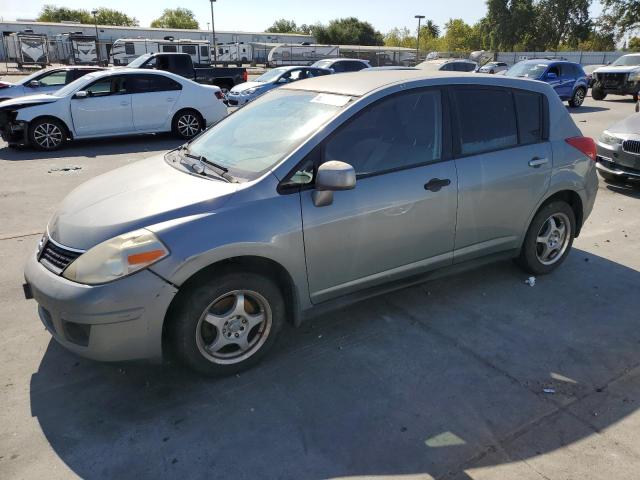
{"x":170,"y":99}
{"x":124,"y":104}
{"x":435,"y":184}
{"x":537,"y":162}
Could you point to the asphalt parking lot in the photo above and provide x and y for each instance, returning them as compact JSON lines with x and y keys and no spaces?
{"x":475,"y":376}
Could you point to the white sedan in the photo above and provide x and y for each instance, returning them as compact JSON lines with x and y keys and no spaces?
{"x":112,"y":102}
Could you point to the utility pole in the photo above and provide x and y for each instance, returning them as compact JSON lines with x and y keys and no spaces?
{"x":213,"y":31}
{"x":95,"y":23}
{"x":419,"y":17}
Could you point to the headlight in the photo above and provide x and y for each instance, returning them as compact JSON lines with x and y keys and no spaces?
{"x":634,"y":76}
{"x":609,"y":139}
{"x":116,"y":258}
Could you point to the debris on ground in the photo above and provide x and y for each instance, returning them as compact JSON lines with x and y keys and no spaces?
{"x":71,"y":168}
{"x":531,"y":281}
{"x":549,"y":390}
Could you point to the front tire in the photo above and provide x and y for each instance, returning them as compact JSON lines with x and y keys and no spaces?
{"x":578,"y":97}
{"x":597,"y":93}
{"x":228,"y":323}
{"x":47,"y":134}
{"x":187,"y":124}
{"x":548,"y":239}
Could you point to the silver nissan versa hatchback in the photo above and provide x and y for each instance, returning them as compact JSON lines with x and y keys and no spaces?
{"x":321,"y":192}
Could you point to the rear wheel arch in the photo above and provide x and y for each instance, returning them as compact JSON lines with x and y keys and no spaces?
{"x":181,"y":112}
{"x":570,"y":197}
{"x":247,"y":263}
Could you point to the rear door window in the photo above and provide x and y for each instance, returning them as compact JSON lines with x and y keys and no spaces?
{"x":152,"y":83}
{"x":486,"y":119}
{"x":530,"y":116}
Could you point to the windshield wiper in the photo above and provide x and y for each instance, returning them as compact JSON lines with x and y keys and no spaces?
{"x":222,"y":172}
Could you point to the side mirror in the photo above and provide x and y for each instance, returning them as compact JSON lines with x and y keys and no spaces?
{"x":332,"y":177}
{"x":552,"y":76}
{"x":34,"y":84}
{"x":81,"y":94}
{"x":283,"y":80}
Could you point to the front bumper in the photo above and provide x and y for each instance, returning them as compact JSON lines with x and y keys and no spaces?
{"x":121,"y":320}
{"x":237,"y":100}
{"x":625,"y":88}
{"x":11,"y":130}
{"x":615,"y":160}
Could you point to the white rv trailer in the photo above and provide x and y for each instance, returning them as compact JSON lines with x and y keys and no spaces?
{"x":76,"y":49}
{"x":238,"y":53}
{"x":124,"y":50}
{"x":28,"y":49}
{"x":296,"y":54}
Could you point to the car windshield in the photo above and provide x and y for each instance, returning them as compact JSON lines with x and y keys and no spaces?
{"x":73,"y":86}
{"x":271,"y":75}
{"x":139,"y":61}
{"x":323,"y":64}
{"x":28,"y":78}
{"x":256,"y":137}
{"x":527,"y":70}
{"x":627,"y":61}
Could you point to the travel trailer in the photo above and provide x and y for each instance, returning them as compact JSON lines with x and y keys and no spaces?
{"x":238,"y":53}
{"x":124,"y":50}
{"x":296,"y":54}
{"x":75,"y":48}
{"x":28,"y":49}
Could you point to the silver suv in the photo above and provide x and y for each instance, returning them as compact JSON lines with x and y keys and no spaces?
{"x":321,"y":192}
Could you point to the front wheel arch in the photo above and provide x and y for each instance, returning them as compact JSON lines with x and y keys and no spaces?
{"x":69,"y":132}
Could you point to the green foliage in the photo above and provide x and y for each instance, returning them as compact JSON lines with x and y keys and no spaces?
{"x":105,"y":16}
{"x":621,"y":16}
{"x":283,"y":26}
{"x":348,"y":31}
{"x":51,"y":13}
{"x":634,"y":44}
{"x":176,"y":18}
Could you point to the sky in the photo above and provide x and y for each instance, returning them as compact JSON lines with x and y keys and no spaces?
{"x":257,"y":15}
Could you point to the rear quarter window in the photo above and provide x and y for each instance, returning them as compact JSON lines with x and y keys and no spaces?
{"x":530,"y":116}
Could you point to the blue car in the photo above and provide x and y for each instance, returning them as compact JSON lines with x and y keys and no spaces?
{"x":567,"y":78}
{"x":245,"y":92}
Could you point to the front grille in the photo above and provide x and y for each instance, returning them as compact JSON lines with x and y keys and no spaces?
{"x":57,"y":258}
{"x":613,"y":79}
{"x":631,"y":146}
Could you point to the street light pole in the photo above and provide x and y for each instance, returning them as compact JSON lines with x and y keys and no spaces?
{"x":95,"y":23}
{"x":419,"y":17}
{"x":213,"y":31}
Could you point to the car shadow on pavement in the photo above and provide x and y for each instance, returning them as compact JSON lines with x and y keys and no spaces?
{"x":464,"y":372}
{"x":630,"y":188}
{"x":96,"y":147}
{"x":584,"y":109}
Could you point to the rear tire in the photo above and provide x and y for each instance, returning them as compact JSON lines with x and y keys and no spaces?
{"x":187,"y":124}
{"x":578,"y":97}
{"x":47,"y":134}
{"x":228,"y":323}
{"x":549,"y":238}
{"x":635,"y":97}
{"x":597,"y":93}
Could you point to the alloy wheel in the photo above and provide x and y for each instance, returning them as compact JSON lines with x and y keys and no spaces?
{"x":188,"y":125}
{"x":553,"y":239}
{"x":578,"y":97}
{"x":48,"y":135}
{"x":233,"y":327}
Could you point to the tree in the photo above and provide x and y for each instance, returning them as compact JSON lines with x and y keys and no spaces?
{"x":348,"y":31}
{"x":108,"y":16}
{"x":51,"y":13}
{"x":461,"y":37}
{"x":176,"y":18}
{"x":400,"y":37}
{"x":431,"y":28}
{"x":563,"y":22}
{"x":634,"y":44}
{"x":283,"y":26}
{"x":620,"y":15}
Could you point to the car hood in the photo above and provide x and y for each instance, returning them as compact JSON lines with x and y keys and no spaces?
{"x":629,"y":126}
{"x":247,"y":85}
{"x":620,"y":69}
{"x":139,"y":195}
{"x":29,"y":100}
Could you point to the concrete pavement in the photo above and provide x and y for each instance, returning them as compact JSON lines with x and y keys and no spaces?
{"x":442,"y":380}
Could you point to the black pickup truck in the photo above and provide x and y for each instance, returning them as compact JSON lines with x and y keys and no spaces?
{"x":181,"y":64}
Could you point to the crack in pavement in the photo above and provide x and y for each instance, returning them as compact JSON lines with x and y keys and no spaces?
{"x":21,"y":236}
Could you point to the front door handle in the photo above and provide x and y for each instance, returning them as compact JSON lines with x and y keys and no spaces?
{"x":435,"y":184}
{"x":537,"y":162}
{"x":124,"y":104}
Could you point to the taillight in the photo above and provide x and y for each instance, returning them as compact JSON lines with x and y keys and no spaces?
{"x":585,"y":144}
{"x":4,"y":85}
{"x":245,"y":76}
{"x":219,"y":95}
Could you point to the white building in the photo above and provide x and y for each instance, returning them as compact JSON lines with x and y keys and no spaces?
{"x":108,"y":34}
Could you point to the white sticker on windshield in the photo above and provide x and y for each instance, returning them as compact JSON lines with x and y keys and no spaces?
{"x":331,"y":99}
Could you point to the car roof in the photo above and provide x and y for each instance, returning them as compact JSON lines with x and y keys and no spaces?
{"x":361,"y":83}
{"x":105,"y":72}
{"x":333,"y":60}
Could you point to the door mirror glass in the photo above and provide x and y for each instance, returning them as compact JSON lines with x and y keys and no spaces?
{"x":552,"y":76}
{"x":34,"y":84}
{"x":81,"y":94}
{"x":331,"y":177}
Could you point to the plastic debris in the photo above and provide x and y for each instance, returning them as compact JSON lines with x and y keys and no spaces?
{"x":549,"y":390}
{"x":66,"y":169}
{"x":531,"y":281}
